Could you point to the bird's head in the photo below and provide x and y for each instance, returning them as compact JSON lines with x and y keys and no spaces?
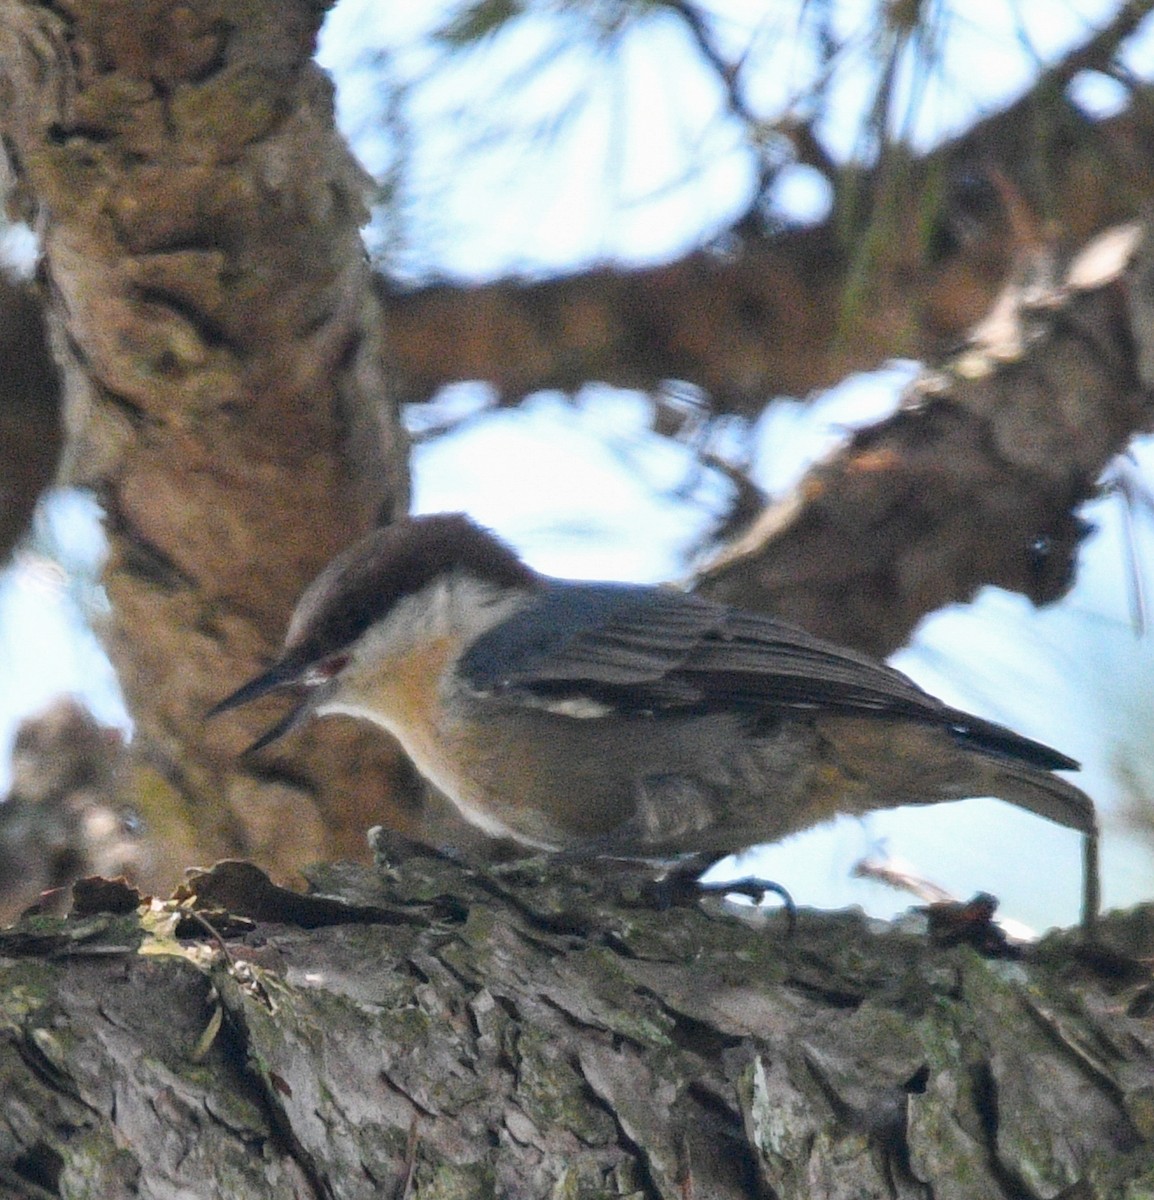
{"x":404,"y":596}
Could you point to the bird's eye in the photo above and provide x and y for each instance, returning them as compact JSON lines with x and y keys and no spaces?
{"x":324,"y":670}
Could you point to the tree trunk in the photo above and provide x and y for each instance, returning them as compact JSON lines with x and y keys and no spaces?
{"x":30,"y":434}
{"x":442,"y":1032}
{"x":439,"y":1031}
{"x":225,"y":388}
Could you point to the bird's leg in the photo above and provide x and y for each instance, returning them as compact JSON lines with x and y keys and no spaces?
{"x":683,"y":884}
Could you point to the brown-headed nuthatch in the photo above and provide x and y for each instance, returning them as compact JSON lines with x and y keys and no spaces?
{"x":626,"y":720}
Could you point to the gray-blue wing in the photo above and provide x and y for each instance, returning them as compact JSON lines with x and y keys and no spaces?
{"x":645,"y":649}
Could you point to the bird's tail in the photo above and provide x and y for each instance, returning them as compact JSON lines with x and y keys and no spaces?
{"x":1043,"y":793}
{"x":1058,"y":800}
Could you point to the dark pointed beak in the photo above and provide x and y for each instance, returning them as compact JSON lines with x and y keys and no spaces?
{"x":294,"y":717}
{"x":280,"y":676}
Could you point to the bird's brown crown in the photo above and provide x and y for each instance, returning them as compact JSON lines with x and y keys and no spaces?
{"x":366,"y":581}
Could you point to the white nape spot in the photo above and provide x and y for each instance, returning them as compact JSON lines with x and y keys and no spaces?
{"x":457,"y":606}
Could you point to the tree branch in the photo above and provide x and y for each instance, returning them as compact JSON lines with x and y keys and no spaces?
{"x":914,"y":253}
{"x":442,"y":1032}
{"x":976,"y":479}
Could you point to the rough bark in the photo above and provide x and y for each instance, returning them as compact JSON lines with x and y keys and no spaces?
{"x":444,"y":1033}
{"x":224,"y":382}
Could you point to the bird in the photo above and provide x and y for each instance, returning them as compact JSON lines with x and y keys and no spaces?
{"x":612,"y":719}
